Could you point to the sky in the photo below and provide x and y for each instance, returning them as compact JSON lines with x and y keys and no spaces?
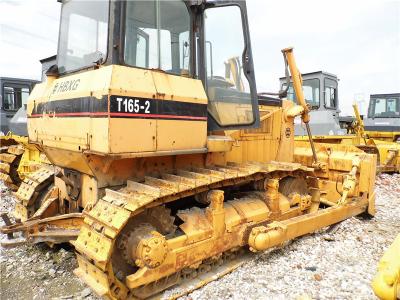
{"x":357,"y":40}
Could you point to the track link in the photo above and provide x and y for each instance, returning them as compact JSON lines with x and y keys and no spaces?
{"x":29,"y":191}
{"x":10,"y":157}
{"x":104,"y":223}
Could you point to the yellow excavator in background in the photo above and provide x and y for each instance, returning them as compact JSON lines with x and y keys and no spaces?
{"x":165,"y":173}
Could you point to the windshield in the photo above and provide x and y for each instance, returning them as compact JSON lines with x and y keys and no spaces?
{"x":384,"y":107}
{"x":157,"y":35}
{"x":310,"y":89}
{"x":83,"y":34}
{"x":330,"y":93}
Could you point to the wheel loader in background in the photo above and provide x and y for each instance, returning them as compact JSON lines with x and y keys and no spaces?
{"x":321,"y":93}
{"x":165,"y":171}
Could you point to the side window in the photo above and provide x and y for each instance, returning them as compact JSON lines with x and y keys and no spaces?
{"x":330,"y":93}
{"x":380,"y":107}
{"x":311,"y":94}
{"x":9,"y":101}
{"x":391,"y":106}
{"x":230,"y":101}
{"x":184,"y":60}
{"x":165,"y":51}
{"x":24,"y":95}
{"x":83,"y":34}
{"x":142,"y":52}
{"x":290,"y":93}
{"x":371,"y":107}
{"x":92,"y":41}
{"x":14,"y":97}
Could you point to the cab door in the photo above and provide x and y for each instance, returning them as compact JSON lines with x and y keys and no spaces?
{"x":228,"y":73}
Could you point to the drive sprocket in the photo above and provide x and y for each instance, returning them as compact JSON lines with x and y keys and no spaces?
{"x":138,"y":228}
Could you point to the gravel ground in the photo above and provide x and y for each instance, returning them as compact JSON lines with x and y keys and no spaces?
{"x":38,"y":272}
{"x":330,"y":264}
{"x":339,"y":264}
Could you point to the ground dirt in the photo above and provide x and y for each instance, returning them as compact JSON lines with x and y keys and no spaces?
{"x":331,"y":264}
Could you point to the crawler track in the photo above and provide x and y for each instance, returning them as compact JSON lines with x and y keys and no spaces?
{"x":30,"y":191}
{"x":10,"y":157}
{"x":104,"y":224}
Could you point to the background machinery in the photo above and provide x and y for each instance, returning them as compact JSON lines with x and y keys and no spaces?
{"x":17,"y":157}
{"x":383,"y":118}
{"x":14,"y":95}
{"x":388,"y":152}
{"x":321,"y":94}
{"x":165,"y":169}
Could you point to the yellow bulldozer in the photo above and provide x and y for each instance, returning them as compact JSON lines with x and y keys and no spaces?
{"x":18,"y":158}
{"x":321,"y":92}
{"x":387,"y":152}
{"x":383,"y":118}
{"x":386,"y":283}
{"x":164,"y":170}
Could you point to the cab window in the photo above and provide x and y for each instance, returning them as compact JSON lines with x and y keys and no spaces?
{"x":157,"y":35}
{"x":330,"y":93}
{"x":384,"y":107}
{"x":14,"y":97}
{"x":311,"y":92}
{"x":83,"y":34}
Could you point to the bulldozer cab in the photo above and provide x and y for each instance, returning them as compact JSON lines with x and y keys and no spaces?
{"x":192,"y":39}
{"x":384,"y":106}
{"x":384,"y":114}
{"x":320,"y":90}
{"x":14,"y":95}
{"x":321,"y":94}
